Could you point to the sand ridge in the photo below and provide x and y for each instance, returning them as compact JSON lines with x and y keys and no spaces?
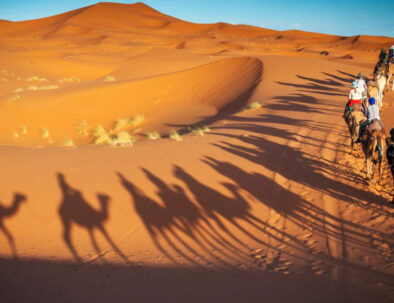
{"x":264,"y":204}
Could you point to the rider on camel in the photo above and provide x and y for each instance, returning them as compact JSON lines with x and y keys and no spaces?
{"x":355,"y":96}
{"x":390,"y":154}
{"x":362,"y":85}
{"x":383,"y":62}
{"x":372,"y":113}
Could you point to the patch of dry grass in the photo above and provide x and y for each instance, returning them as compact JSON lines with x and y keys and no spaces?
{"x":69,"y":80}
{"x":44,"y":132}
{"x":123,"y":138}
{"x":174,"y":135}
{"x":200,"y":130}
{"x":13,"y":98}
{"x":109,"y":78}
{"x":67,"y":142}
{"x":84,"y":128}
{"x":45,"y":87}
{"x":251,"y":106}
{"x":36,"y":79}
{"x":100,"y":135}
{"x":153,"y":135}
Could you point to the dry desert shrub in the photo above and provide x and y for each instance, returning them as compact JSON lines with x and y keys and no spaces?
{"x":109,"y":78}
{"x":200,"y":130}
{"x":84,"y":128}
{"x":18,"y":90}
{"x":13,"y":98}
{"x":153,"y":135}
{"x":122,"y":123}
{"x":23,"y":130}
{"x":3,"y":79}
{"x":36,"y":79}
{"x":44,"y":132}
{"x":67,"y":142}
{"x":253,"y":105}
{"x":123,"y":138}
{"x":174,"y":135}
{"x":100,"y":135}
{"x":15,"y":135}
{"x":45,"y":87}
{"x":72,"y":79}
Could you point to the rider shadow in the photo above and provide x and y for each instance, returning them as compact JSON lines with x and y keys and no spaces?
{"x":74,"y":209}
{"x":232,"y":209}
{"x":192,"y":220}
{"x":292,"y":206}
{"x":158,"y":220}
{"x":7,"y":212}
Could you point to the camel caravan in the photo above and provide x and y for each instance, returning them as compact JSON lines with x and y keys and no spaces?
{"x":362,"y":115}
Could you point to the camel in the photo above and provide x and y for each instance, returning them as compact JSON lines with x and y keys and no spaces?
{"x":380,"y":83}
{"x":389,"y":76}
{"x":8,"y":212}
{"x":356,"y":117}
{"x":74,"y":209}
{"x":373,"y":145}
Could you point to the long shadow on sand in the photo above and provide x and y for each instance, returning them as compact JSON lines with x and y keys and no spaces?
{"x":7,"y":212}
{"x":74,"y":209}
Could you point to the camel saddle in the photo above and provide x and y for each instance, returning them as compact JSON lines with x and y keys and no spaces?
{"x":375,"y":125}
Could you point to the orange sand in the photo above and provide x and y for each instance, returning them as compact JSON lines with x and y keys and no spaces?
{"x":266,"y":206}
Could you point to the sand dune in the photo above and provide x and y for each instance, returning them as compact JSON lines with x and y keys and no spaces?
{"x":183,"y":97}
{"x":264,"y":203}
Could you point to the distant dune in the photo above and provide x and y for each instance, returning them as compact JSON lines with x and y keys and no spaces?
{"x":109,"y":61}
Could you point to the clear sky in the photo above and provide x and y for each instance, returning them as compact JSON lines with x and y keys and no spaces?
{"x":340,"y":17}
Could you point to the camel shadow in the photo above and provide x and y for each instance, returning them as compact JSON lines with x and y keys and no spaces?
{"x":6,"y":212}
{"x":74,"y":209}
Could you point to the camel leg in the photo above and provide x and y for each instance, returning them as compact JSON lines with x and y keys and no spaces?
{"x":67,"y":239}
{"x":94,"y":242}
{"x":9,"y":238}
{"x":115,"y":248}
{"x":380,"y":171}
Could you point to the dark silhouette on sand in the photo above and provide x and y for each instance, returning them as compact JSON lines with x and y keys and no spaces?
{"x":74,"y":209}
{"x":9,"y":212}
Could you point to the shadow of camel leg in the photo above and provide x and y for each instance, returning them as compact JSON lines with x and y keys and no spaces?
{"x":67,"y":239}
{"x":115,"y":248}
{"x":10,"y":239}
{"x":95,"y":245}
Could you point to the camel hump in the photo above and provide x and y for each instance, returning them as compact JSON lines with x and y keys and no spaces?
{"x":358,"y":116}
{"x":375,"y":125}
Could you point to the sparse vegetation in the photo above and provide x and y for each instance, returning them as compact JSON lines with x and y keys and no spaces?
{"x":174,"y":135}
{"x":23,"y":130}
{"x":36,"y":79}
{"x":84,"y":128}
{"x":13,"y":98}
{"x":72,"y":79}
{"x":18,"y":90}
{"x":200,"y":130}
{"x":153,"y":135}
{"x":100,"y":135}
{"x":126,"y":122}
{"x":15,"y":135}
{"x":123,"y":138}
{"x":253,"y":105}
{"x":44,"y":133}
{"x":45,"y":87}
{"x":67,"y":142}
{"x":109,"y":78}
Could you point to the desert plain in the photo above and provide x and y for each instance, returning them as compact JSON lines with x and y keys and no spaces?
{"x":144,"y":158}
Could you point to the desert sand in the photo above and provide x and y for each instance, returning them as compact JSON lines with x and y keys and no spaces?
{"x":250,"y":194}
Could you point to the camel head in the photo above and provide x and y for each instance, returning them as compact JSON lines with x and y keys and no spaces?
{"x":103,"y":199}
{"x":19,"y":198}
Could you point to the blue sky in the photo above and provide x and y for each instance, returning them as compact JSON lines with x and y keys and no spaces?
{"x":330,"y":16}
